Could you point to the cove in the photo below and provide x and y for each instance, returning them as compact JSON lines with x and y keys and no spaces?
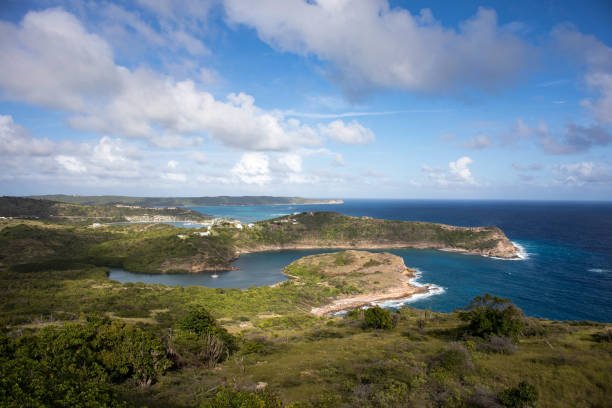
{"x":577,"y":291}
{"x":256,"y":269}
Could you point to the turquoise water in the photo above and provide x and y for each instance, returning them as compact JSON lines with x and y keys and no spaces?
{"x":567,"y":273}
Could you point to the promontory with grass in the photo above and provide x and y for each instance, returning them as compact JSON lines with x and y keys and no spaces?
{"x":361,"y":277}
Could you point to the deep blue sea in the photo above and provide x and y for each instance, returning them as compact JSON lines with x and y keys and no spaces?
{"x":566,"y":275}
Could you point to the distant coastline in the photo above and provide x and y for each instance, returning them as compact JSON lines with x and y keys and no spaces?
{"x":217,"y":201}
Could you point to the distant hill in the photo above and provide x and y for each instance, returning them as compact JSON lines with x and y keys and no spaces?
{"x":22,"y":207}
{"x":182,"y":201}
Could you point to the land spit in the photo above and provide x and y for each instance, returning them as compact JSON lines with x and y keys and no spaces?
{"x":360,"y":278}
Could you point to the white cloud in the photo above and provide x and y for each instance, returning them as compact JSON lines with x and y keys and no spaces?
{"x":112,"y":99}
{"x":253,"y":168}
{"x":457,"y":174}
{"x":172,"y":164}
{"x":72,"y":164}
{"x":581,"y":173}
{"x":171,"y":176}
{"x":371,"y":44}
{"x":353,"y":133}
{"x":461,"y":171}
{"x":50,"y":59}
{"x":292,"y":161}
{"x":15,"y":140}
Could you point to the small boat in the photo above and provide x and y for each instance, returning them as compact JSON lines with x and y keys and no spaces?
{"x":215,"y":276}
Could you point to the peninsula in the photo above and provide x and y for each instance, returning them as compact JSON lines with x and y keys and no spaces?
{"x":161,"y":248}
{"x":362,"y":277}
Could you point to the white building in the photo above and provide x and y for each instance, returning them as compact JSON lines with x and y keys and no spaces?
{"x":239,"y":226}
{"x":96,"y":225}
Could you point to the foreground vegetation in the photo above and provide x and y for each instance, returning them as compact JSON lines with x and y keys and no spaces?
{"x":71,"y":337}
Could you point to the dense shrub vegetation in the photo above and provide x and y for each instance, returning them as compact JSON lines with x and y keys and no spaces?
{"x":378,"y":318}
{"x":200,"y":340}
{"x":524,"y":395}
{"x":490,"y":315}
{"x":229,"y":397}
{"x":74,"y":364}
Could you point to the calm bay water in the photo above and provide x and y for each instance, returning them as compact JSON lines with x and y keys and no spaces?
{"x":567,"y":273}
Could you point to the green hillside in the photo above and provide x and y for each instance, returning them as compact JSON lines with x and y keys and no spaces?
{"x":20,"y":207}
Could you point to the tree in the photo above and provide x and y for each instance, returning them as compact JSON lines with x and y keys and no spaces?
{"x":491,"y":315}
{"x":379,"y":318}
{"x":201,"y":340}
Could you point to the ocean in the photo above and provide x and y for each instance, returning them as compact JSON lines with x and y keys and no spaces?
{"x":565,"y":274}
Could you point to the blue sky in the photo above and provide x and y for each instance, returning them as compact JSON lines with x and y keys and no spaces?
{"x":328,"y":98}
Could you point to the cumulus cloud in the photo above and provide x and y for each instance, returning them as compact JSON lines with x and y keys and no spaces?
{"x":71,"y":163}
{"x":293,"y":162}
{"x":16,"y":140}
{"x":478,"y":142}
{"x":108,"y":98}
{"x":352,"y":133}
{"x":369,"y":44}
{"x":458,"y":173}
{"x":49,"y":59}
{"x":104,"y":159}
{"x":253,"y":168}
{"x":597,"y":58}
{"x":581,"y":173}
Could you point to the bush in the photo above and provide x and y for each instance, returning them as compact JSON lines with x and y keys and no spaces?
{"x":524,"y":395}
{"x":74,"y":365}
{"x":201,"y":322}
{"x":228,"y":397}
{"x":378,"y":318}
{"x":200,"y":340}
{"x":490,"y":315}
